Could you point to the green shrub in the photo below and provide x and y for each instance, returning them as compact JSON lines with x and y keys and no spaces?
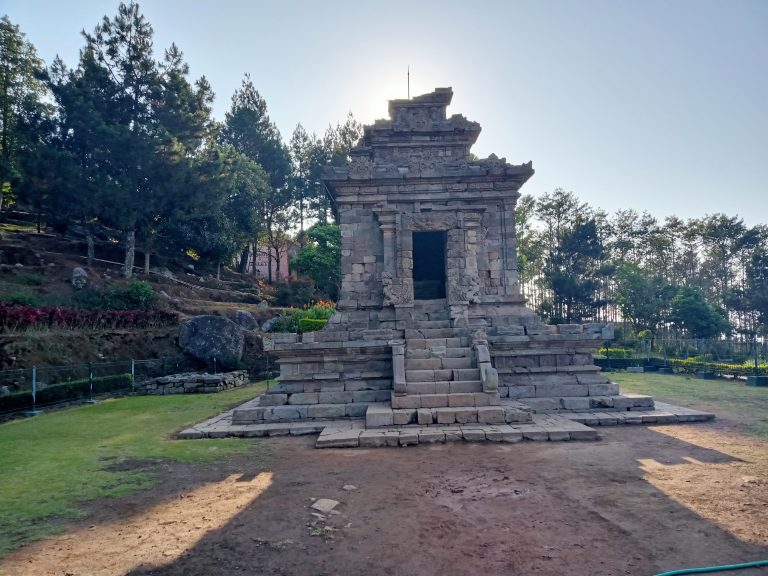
{"x":306,"y":320}
{"x":138,"y":295}
{"x":311,"y":324}
{"x":21,"y":297}
{"x":30,"y":278}
{"x":300,"y":292}
{"x":617,"y":353}
{"x":73,"y":390}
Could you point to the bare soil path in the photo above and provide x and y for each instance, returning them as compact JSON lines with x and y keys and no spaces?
{"x":641,"y":501}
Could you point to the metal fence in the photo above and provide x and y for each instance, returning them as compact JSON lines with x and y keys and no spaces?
{"x":32,"y":388}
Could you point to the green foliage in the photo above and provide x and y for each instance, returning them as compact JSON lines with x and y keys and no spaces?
{"x":73,"y":390}
{"x":137,"y":295}
{"x":694,"y":365}
{"x":311,"y":324}
{"x":643,"y":298}
{"x":295,"y":292}
{"x":21,"y":297}
{"x":30,"y":278}
{"x":305,"y":320}
{"x":45,"y":459}
{"x":575,"y":272}
{"x":321,"y":259}
{"x":692,"y":313}
{"x":617,"y":353}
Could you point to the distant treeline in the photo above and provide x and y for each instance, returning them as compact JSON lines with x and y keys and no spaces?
{"x":704,"y":277}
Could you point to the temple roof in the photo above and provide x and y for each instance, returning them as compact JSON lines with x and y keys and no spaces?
{"x":419,"y":140}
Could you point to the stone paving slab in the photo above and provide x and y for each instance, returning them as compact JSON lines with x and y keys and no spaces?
{"x":352,"y":433}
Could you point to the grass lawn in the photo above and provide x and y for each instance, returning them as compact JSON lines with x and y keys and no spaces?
{"x":745,"y":402}
{"x":54,"y":463}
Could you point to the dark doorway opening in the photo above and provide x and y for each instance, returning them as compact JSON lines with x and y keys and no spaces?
{"x":428,"y":265}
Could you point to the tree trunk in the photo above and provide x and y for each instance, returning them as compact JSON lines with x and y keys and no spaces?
{"x":218,"y":270}
{"x":130,"y":252}
{"x":245,"y":259}
{"x":91,"y":247}
{"x":147,"y":253}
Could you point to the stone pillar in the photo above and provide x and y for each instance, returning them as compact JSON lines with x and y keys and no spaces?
{"x":387,"y":224}
{"x":510,"y":280}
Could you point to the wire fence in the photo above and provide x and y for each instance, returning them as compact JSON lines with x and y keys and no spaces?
{"x":27,"y":389}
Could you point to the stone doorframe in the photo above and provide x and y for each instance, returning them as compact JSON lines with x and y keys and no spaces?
{"x":461,"y":227}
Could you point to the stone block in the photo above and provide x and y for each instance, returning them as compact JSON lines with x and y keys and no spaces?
{"x":473,"y":435}
{"x":366,"y":396}
{"x":274,"y":399}
{"x":431,"y":436}
{"x":335,"y":397}
{"x":355,"y":410}
{"x":575,"y":403}
{"x":521,"y":392}
{"x":303,"y":398}
{"x":609,"y":389}
{"x":461,"y":400}
{"x":490,"y":415}
{"x":408,"y":401}
{"x":465,"y":415}
{"x":373,"y":439}
{"x":326,"y":411}
{"x":409,"y":438}
{"x":403,"y":417}
{"x":379,"y":416}
{"x":445,"y":416}
{"x":286,"y":412}
{"x":434,"y":401}
{"x":424,"y":417}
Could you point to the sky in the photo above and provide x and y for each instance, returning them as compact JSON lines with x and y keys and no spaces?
{"x":659,"y":106}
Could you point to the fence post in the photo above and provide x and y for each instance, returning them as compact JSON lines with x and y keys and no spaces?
{"x":133,"y":375}
{"x":757,"y":363}
{"x":34,"y":411}
{"x":90,"y":384}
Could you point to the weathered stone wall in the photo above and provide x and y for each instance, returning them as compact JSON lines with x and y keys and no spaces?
{"x":193,"y":383}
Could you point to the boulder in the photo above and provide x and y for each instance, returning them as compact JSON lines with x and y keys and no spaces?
{"x":244,"y":319}
{"x":267,"y":326}
{"x":209,"y":337}
{"x":79,"y":278}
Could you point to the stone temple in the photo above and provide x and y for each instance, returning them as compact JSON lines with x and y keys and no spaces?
{"x":431,"y":328}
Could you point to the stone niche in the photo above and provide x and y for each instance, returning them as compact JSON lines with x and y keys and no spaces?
{"x":430,"y":315}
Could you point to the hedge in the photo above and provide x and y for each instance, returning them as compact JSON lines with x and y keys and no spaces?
{"x":73,"y":390}
{"x":311,"y":324}
{"x":692,"y":366}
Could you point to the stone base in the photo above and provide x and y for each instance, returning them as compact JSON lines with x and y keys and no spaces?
{"x":351,"y":433}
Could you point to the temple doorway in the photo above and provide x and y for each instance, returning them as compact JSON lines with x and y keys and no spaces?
{"x":429,"y":265}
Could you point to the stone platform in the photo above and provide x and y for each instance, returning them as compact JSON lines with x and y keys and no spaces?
{"x":352,"y":433}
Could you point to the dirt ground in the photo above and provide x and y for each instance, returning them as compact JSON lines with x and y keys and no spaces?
{"x":640,"y":501}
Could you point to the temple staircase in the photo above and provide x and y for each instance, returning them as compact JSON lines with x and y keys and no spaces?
{"x":442,"y":380}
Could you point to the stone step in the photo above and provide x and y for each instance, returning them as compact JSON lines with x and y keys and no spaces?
{"x":429,"y":324}
{"x":447,"y":387}
{"x":444,"y":400}
{"x":617,"y":403}
{"x":458,"y":415}
{"x":422,"y":343}
{"x":436,"y":363}
{"x":421,"y":353}
{"x":255,"y":413}
{"x":431,"y":333}
{"x":442,"y":374}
